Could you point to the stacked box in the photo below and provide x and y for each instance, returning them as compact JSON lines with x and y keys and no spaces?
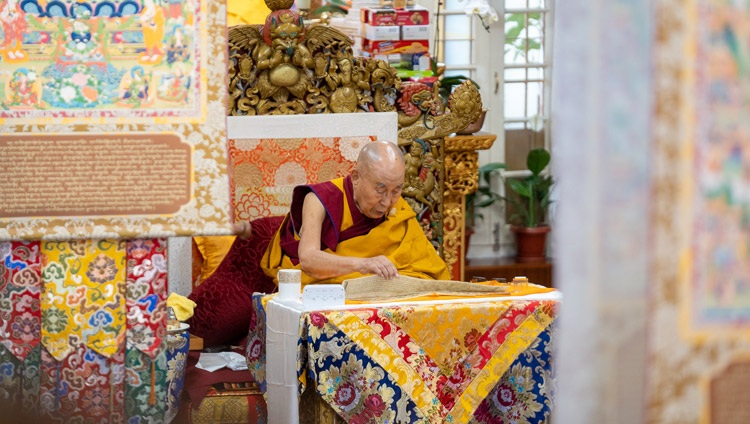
{"x":417,"y":15}
{"x":382,"y":33}
{"x":399,"y":36}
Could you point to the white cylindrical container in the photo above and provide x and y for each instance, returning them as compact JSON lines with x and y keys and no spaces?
{"x":290,"y":284}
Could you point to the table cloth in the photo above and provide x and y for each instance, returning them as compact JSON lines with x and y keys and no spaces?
{"x":459,"y":360}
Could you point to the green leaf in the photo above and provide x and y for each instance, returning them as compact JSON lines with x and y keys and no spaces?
{"x":486,"y":170}
{"x":519,"y":18}
{"x":330,"y":8}
{"x":512,"y":34}
{"x":520,"y":187}
{"x":537,"y":160}
{"x":492,"y":166}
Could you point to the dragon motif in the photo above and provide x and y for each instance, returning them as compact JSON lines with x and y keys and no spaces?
{"x":284,"y":67}
{"x":423,"y":125}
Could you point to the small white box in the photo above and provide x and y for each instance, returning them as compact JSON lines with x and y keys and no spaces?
{"x":322,"y":296}
{"x":415,"y":32}
{"x":382,"y":33}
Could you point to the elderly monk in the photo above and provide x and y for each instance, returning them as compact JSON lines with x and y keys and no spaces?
{"x":355,"y":226}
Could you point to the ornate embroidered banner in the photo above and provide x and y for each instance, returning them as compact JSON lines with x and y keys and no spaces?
{"x":20,"y":287}
{"x":112,"y":120}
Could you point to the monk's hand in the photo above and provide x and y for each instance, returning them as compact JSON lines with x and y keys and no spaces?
{"x":242,"y":229}
{"x":380,"y":266}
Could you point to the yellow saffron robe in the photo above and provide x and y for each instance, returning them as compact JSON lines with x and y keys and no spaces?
{"x":399,"y":237}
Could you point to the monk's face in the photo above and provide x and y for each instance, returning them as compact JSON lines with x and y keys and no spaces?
{"x":378,"y":188}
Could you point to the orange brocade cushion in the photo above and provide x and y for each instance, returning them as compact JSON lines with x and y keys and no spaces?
{"x":224,"y":300}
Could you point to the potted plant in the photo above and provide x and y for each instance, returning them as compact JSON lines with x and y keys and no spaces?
{"x":530,"y":202}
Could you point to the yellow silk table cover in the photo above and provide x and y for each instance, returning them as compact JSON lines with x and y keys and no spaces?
{"x":453,"y":362}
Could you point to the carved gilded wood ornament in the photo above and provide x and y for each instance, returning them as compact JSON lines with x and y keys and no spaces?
{"x":286,"y":67}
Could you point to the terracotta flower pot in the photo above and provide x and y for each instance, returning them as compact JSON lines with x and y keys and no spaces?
{"x":531,"y":243}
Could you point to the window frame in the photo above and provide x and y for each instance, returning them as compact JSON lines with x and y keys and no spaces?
{"x":488,"y":70}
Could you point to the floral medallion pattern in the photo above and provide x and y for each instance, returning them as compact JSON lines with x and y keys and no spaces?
{"x":20,"y":313}
{"x":63,"y":355}
{"x":487,"y":362}
{"x":83,"y":300}
{"x":526,"y":391}
{"x":263,"y":172}
{"x":146,"y":358}
{"x":146,"y":290}
{"x":84,"y":386}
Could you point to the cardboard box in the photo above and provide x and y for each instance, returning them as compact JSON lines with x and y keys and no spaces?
{"x":196,"y":343}
{"x":417,"y":15}
{"x":382,"y":33}
{"x":415,"y":61}
{"x":377,"y":17}
{"x":373,"y":47}
{"x":415,"y":32}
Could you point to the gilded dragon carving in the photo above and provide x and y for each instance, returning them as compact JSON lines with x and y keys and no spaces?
{"x":284,"y":67}
{"x":423,"y":124}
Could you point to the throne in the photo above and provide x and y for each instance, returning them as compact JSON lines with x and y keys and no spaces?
{"x":285,"y":68}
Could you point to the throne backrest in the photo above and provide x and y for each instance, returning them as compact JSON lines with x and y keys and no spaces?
{"x":311,"y":70}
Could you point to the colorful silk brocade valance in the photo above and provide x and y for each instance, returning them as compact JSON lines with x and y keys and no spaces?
{"x":84,"y":329}
{"x":461,"y":362}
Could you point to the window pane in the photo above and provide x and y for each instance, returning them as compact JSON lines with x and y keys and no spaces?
{"x":514,"y":125}
{"x":536,"y":4}
{"x":515,"y":74}
{"x":533,"y":98}
{"x":457,"y":27}
{"x":536,"y":73}
{"x":514,"y":55}
{"x":515,"y":4}
{"x":515,"y":35}
{"x":456,"y":72}
{"x":536,"y":24}
{"x":536,"y":51}
{"x":454,"y":5}
{"x":515,"y":96}
{"x":457,"y":52}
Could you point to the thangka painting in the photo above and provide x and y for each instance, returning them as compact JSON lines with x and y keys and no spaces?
{"x":699,"y":325}
{"x":113,"y":119}
{"x":720,"y":292}
{"x":269,"y":155}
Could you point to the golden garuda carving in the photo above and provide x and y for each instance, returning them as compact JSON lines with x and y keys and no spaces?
{"x":285,"y":67}
{"x":424,"y":121}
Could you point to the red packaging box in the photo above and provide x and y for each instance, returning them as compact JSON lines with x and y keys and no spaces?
{"x":417,"y":15}
{"x":378,"y":17}
{"x":399,"y":46}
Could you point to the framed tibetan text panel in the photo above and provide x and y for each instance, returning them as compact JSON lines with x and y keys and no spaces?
{"x":113,"y":119}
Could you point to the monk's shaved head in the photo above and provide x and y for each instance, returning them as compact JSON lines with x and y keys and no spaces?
{"x":379,"y":154}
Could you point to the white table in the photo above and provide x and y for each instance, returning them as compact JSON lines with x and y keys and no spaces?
{"x":282,"y":335}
